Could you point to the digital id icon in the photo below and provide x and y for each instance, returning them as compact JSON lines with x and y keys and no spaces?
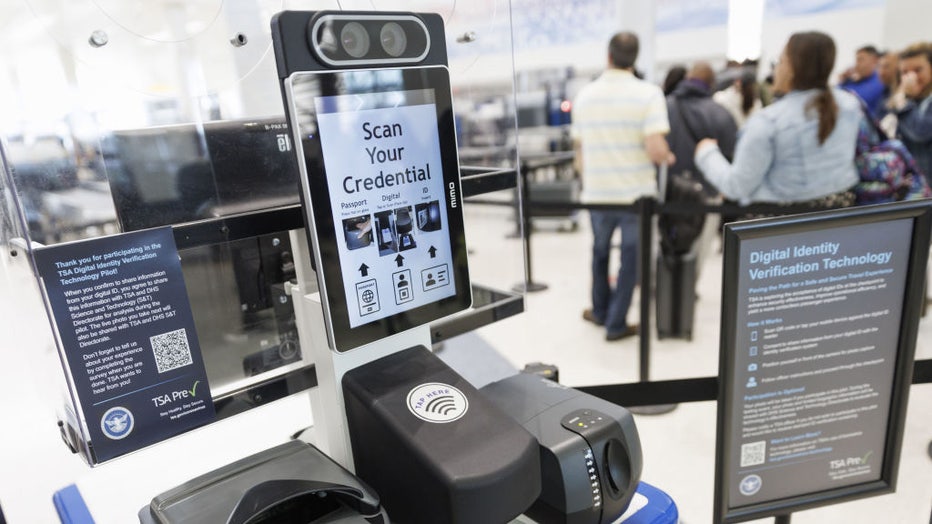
{"x":401,"y":282}
{"x":434,"y":277}
{"x":367,"y":295}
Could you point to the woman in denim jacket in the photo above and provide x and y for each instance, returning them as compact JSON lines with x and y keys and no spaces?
{"x":801,"y":147}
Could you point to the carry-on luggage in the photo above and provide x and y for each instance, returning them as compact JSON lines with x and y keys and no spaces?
{"x":676,"y":295}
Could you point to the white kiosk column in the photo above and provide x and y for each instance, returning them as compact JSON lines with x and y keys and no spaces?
{"x":327,"y":406}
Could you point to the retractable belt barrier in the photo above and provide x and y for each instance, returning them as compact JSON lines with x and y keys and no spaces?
{"x":646,"y":392}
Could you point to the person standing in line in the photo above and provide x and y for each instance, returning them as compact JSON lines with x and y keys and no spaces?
{"x":912,"y":104}
{"x":675,"y":75}
{"x":888,"y":71}
{"x":800,"y":148}
{"x":694,"y":115}
{"x":862,"y":79}
{"x":619,"y":123}
{"x":740,"y":98}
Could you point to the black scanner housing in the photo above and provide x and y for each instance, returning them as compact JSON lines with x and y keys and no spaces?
{"x":590,"y":452}
{"x":290,"y":483}
{"x":480,"y":468}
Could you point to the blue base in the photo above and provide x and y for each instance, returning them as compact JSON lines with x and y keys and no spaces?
{"x":71,"y":507}
{"x":660,"y":508}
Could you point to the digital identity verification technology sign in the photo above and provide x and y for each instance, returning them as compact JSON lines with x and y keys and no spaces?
{"x":819,"y":320}
{"x":130,"y":347}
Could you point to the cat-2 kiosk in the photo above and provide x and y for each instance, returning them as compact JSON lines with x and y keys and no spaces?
{"x":368,"y":100}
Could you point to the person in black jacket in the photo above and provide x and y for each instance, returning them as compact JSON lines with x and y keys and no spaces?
{"x":693,"y":115}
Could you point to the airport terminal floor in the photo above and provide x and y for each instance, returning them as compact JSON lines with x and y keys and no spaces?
{"x":678,"y":446}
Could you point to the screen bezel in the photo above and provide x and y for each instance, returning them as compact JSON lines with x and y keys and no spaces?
{"x":319,"y":219}
{"x":921,"y":214}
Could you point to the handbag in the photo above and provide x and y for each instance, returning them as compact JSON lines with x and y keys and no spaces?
{"x":887,"y":171}
{"x":678,"y":232}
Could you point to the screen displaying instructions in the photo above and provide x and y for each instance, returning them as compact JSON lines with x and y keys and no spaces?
{"x":818,"y":323}
{"x":383,"y":163}
{"x":125,"y":324}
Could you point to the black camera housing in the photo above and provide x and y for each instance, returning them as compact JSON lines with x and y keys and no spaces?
{"x":426,"y":43}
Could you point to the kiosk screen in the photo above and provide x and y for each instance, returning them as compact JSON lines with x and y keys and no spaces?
{"x":381,"y":176}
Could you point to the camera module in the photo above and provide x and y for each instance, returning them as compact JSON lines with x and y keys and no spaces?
{"x":394,"y":40}
{"x":342,"y":39}
{"x":355,"y":39}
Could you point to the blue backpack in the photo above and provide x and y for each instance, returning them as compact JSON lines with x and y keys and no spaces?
{"x":887,"y":170}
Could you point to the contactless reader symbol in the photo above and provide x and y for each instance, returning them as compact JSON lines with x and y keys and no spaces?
{"x":437,"y":402}
{"x":367,"y":294}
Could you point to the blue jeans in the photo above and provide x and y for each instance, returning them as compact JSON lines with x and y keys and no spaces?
{"x":610,"y":306}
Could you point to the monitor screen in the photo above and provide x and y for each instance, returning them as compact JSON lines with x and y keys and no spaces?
{"x":174,"y":174}
{"x":381,"y":182}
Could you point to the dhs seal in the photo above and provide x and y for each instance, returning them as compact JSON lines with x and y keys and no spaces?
{"x":117,"y":423}
{"x":437,"y":402}
{"x":750,"y":485}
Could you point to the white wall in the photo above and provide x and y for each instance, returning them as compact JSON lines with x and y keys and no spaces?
{"x":685,"y":47}
{"x":851,"y":29}
{"x":905,"y":22}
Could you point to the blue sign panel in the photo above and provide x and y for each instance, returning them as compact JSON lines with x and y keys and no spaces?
{"x":123,"y":317}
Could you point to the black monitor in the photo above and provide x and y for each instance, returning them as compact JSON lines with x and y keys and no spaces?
{"x":182,"y":173}
{"x":382,"y":197}
{"x":819,"y":319}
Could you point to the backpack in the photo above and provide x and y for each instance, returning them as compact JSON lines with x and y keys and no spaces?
{"x":887,"y":170}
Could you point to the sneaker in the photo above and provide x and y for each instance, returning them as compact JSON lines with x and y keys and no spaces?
{"x":589,"y":316}
{"x":629,"y":331}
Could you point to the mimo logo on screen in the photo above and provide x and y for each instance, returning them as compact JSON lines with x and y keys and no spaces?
{"x":437,"y":402}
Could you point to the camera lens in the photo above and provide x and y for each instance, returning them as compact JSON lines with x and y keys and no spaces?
{"x":355,"y":39}
{"x":394,"y":39}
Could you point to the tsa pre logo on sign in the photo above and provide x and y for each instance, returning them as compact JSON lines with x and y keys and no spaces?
{"x":175,"y":396}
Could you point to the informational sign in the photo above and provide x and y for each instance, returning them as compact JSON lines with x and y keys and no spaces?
{"x":382,"y":156}
{"x":815,"y":345}
{"x":125,"y":326}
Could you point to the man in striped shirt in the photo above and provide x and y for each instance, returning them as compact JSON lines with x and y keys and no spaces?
{"x":619,"y":123}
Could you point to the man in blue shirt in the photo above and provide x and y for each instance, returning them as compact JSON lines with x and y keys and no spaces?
{"x":862,"y":79}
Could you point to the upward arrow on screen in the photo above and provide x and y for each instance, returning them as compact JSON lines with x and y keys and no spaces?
{"x":364,"y":269}
{"x":432,"y":251}
{"x":400,"y":260}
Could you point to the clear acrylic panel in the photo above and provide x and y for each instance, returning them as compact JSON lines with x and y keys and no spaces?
{"x":117,"y":116}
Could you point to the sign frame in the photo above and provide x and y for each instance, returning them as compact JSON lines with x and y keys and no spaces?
{"x":921,"y":214}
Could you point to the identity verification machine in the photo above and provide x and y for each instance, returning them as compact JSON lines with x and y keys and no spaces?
{"x":356,"y":298}
{"x":368,"y":99}
{"x":369,"y":102}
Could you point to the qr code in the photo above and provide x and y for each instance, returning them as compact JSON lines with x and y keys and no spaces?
{"x":753,"y":453}
{"x":171,"y":350}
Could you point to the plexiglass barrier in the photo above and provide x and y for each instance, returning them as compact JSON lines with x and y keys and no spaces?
{"x":118,"y":117}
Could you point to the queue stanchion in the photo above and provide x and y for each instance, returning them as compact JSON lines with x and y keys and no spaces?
{"x":524,"y":209}
{"x":646,"y":208}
